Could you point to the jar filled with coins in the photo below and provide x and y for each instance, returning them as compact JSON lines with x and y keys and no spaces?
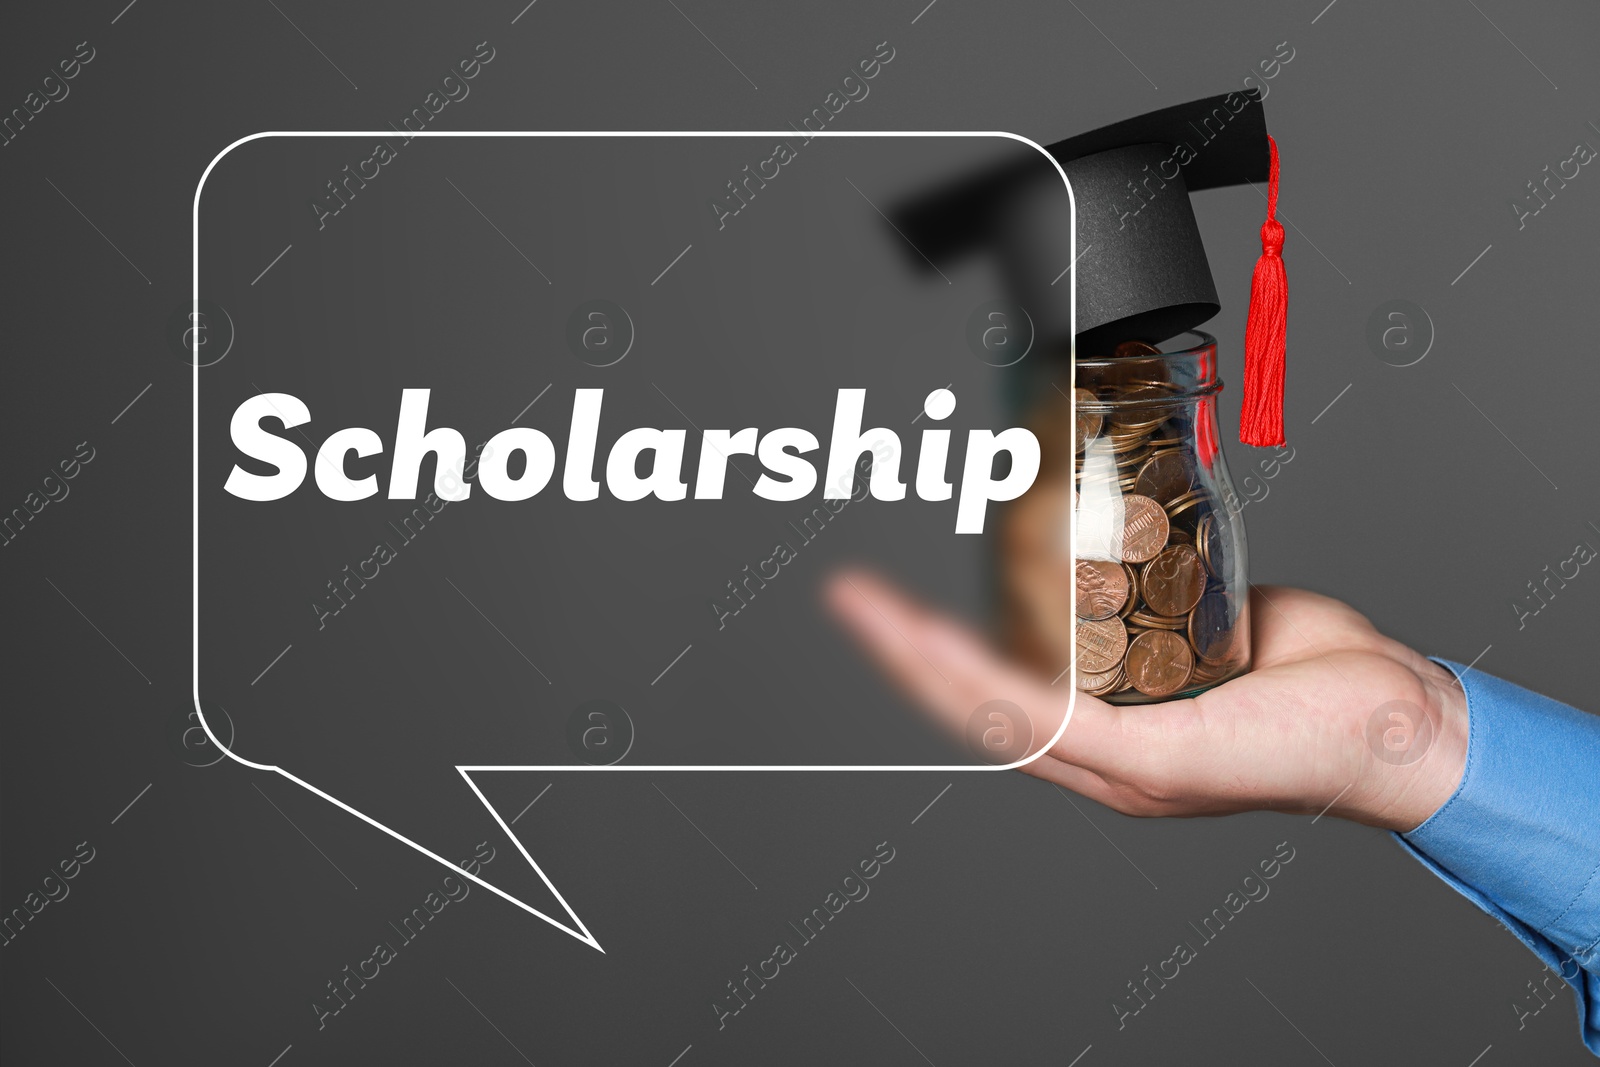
{"x":1134,"y":520}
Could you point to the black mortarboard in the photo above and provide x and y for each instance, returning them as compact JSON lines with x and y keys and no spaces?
{"x":1142,"y":273}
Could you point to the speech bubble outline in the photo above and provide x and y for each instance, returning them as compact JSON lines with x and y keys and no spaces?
{"x":578,"y":930}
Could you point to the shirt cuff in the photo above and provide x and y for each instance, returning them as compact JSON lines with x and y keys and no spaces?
{"x":1520,"y":837}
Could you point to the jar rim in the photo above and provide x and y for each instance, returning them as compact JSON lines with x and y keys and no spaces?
{"x":1198,"y":347}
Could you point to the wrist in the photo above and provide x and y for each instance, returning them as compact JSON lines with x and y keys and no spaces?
{"x":1409,"y":788}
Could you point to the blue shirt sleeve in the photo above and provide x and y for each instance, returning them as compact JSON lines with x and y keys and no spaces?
{"x":1520,"y":837}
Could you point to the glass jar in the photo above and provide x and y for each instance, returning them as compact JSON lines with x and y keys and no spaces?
{"x":1162,"y":593}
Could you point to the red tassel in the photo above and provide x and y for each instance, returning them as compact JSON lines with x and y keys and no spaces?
{"x":1265,"y":332}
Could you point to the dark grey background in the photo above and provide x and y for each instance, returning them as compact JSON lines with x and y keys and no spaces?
{"x":1012,"y":916}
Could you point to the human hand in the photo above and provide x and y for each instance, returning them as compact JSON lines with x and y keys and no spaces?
{"x":1296,"y":734}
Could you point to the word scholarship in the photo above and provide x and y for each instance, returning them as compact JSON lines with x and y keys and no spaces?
{"x":519,"y":462}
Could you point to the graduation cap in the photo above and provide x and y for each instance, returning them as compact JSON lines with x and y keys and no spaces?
{"x":1142,"y":273}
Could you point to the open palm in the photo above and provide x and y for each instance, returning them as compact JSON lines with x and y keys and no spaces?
{"x":1334,"y":717}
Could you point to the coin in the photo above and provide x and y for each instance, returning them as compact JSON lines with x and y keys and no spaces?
{"x":1101,"y":683}
{"x":1144,"y":528}
{"x":1135,"y":348}
{"x":1185,"y":508}
{"x":1088,"y":422}
{"x":1159,"y":663}
{"x":1173,"y":581}
{"x":1147,"y":621}
{"x":1211,"y":628}
{"x":1202,"y":542}
{"x":1139,"y":423}
{"x":1211,"y":537}
{"x":1166,"y":475}
{"x":1141,"y":413}
{"x":1206,"y":675}
{"x":1188,"y":499}
{"x":1102,"y":588}
{"x":1100,"y":644}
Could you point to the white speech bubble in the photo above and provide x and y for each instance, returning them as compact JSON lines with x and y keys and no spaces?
{"x":578,"y":930}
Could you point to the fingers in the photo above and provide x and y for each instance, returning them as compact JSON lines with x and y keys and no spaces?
{"x":941,"y":668}
{"x":950,"y":672}
{"x":1078,"y":779}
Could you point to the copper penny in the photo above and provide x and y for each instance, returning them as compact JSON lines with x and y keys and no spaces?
{"x":1089,"y":423}
{"x":1142,"y":417}
{"x":1159,"y":663}
{"x":1135,"y":348}
{"x":1165,"y":476}
{"x":1100,"y":644}
{"x":1212,"y":629}
{"x":1205,"y":675}
{"x":1099,"y":684}
{"x":1173,"y":581}
{"x":1212,"y":536}
{"x":1144,"y":528}
{"x":1146,"y":621}
{"x":1187,"y":509}
{"x":1102,"y":588}
{"x":1202,"y":541}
